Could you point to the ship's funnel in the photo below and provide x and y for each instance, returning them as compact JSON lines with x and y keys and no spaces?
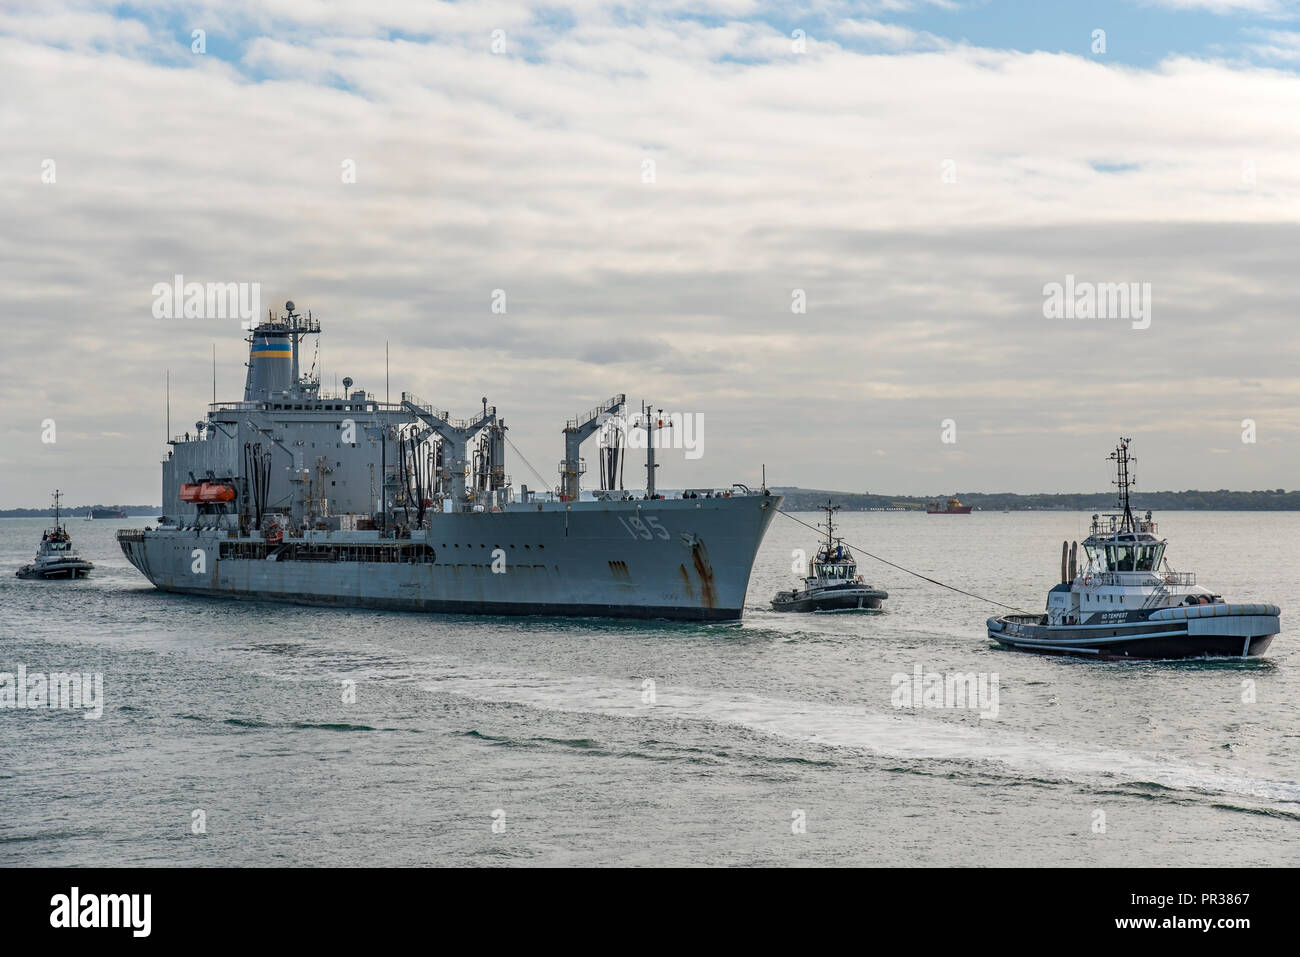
{"x":270,"y":362}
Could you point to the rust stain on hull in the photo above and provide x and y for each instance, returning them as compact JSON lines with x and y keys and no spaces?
{"x":708,"y":591}
{"x":686,"y":581}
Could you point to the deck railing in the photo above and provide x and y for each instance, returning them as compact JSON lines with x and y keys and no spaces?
{"x":1153,"y":578}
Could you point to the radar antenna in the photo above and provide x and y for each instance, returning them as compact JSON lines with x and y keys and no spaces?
{"x":1124,"y":482}
{"x":298,"y":327}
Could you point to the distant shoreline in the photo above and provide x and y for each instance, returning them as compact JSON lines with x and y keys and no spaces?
{"x":1223,"y":500}
{"x":803,"y":499}
{"x":78,"y":511}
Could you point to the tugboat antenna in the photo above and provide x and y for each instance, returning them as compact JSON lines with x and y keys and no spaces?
{"x":830,"y":511}
{"x":1124,"y":482}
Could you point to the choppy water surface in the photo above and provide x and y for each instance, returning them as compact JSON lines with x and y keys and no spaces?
{"x":544,"y":727}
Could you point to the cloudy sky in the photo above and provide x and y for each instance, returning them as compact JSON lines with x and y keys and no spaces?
{"x":651,"y":186}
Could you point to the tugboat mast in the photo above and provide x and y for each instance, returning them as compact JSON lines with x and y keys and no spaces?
{"x":1124,"y":482}
{"x":830,"y":511}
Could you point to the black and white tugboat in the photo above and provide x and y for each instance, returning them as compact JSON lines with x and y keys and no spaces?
{"x":833,"y":582}
{"x":55,"y":558}
{"x":1126,"y":602}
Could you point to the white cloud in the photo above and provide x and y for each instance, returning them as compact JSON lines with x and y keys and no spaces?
{"x":1266,"y":8}
{"x":1275,"y":46}
{"x":891,"y":36}
{"x":774,"y":171}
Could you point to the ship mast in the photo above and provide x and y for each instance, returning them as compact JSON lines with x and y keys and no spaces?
{"x":1123,"y":482}
{"x":652,"y":424}
{"x":297,"y":329}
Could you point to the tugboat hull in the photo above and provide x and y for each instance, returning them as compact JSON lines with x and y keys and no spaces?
{"x":55,"y":572}
{"x":847,"y":599}
{"x":1198,"y":631}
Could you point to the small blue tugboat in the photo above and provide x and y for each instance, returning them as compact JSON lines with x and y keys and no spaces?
{"x":55,"y":558}
{"x":833,"y":582}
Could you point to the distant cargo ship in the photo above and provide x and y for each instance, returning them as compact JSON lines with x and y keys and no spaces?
{"x":108,"y":513}
{"x":952,"y":507}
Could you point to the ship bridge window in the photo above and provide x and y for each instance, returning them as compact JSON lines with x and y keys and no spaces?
{"x":1146,"y":557}
{"x":832,"y":571}
{"x":1127,"y":558}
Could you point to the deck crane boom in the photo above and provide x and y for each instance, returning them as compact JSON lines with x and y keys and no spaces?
{"x":576,"y":431}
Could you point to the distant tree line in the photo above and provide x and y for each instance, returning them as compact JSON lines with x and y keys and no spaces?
{"x":75,"y":511}
{"x":802,"y":499}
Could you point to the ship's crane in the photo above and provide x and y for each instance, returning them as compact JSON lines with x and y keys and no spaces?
{"x":456,"y":435}
{"x":576,"y":431}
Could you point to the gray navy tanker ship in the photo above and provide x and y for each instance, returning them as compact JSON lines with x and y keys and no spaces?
{"x":295,"y":495}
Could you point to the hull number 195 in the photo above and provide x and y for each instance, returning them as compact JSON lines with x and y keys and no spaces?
{"x":644,"y":529}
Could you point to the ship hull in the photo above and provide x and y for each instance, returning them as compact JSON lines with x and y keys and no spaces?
{"x":1215,"y":631}
{"x":679,"y":559}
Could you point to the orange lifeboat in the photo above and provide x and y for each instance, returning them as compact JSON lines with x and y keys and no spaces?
{"x":190,"y":492}
{"x":212,"y":492}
